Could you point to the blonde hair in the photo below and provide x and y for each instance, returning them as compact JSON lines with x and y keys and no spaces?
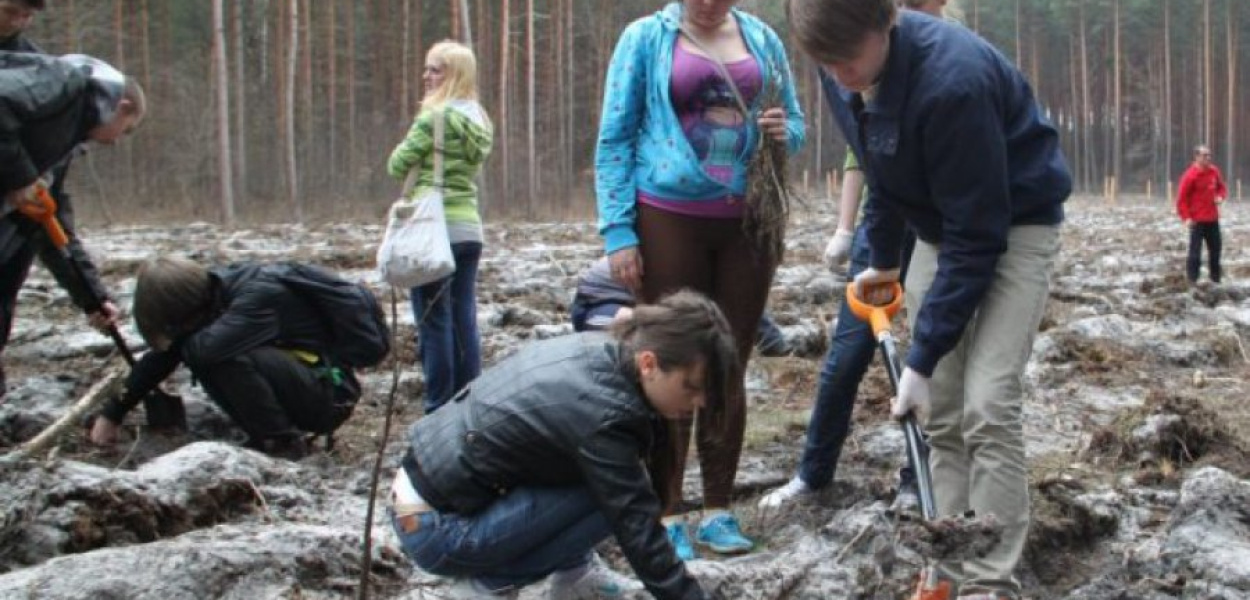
{"x":459,"y":73}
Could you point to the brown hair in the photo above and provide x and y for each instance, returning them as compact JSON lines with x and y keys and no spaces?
{"x":172,"y":297}
{"x":832,"y":30}
{"x":682,"y":329}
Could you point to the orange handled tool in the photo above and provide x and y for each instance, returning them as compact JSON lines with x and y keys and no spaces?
{"x":43,"y":212}
{"x":878,"y":316}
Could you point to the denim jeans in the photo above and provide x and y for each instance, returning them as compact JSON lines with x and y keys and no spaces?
{"x":851,"y":349}
{"x":770,"y":341}
{"x":446,"y":314}
{"x":520,"y":539}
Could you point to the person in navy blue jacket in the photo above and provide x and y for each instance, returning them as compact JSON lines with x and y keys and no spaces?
{"x":954,"y":144}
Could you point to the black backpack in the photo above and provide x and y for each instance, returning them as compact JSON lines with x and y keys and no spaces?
{"x":361,"y":336}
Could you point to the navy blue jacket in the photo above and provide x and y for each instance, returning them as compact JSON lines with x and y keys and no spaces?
{"x":955,"y":145}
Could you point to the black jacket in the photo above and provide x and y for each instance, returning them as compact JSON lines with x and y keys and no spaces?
{"x":559,"y":412}
{"x":53,"y":118}
{"x":45,"y":112}
{"x":252,"y":308}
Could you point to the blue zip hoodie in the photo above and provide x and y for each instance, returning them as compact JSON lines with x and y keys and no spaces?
{"x":953,"y":143}
{"x":641,"y":143}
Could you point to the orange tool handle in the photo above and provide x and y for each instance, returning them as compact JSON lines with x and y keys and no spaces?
{"x":44,"y":213}
{"x":877,"y":315}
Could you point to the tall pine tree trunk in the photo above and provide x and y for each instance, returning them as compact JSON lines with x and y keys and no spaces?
{"x":1230,"y":128}
{"x":531,"y":163}
{"x":240,"y":100}
{"x":501,"y":132}
{"x":292,"y":172}
{"x":1167,"y":87}
{"x":222,"y":79}
{"x":1117,"y":104}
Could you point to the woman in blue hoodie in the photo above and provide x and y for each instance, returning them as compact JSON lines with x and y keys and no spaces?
{"x":671,"y":179}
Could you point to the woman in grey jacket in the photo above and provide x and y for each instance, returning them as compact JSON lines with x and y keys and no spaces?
{"x":542,"y":457}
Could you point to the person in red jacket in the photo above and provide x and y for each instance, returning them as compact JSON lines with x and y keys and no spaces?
{"x":1198,"y":198}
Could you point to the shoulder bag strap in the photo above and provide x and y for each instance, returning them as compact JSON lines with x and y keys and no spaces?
{"x":720,"y":67}
{"x":411,"y":180}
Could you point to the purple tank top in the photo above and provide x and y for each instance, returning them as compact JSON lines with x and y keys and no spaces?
{"x":713,"y":125}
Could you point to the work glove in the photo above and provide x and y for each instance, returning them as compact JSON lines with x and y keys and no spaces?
{"x":839,"y":249}
{"x":871,"y":277}
{"x":913,"y":397}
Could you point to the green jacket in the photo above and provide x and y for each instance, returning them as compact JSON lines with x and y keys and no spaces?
{"x":468,"y":136}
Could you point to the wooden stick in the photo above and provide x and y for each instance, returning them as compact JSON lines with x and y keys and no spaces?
{"x":107,"y":385}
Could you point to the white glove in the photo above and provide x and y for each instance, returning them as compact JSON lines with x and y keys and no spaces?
{"x":839,"y":249}
{"x":870,"y":277}
{"x":913,"y":397}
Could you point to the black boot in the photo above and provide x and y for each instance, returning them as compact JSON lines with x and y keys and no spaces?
{"x":289,"y":447}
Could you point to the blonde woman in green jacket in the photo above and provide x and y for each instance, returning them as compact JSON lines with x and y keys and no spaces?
{"x":446,"y":310}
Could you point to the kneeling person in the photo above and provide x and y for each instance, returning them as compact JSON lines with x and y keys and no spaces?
{"x":542,"y":457}
{"x":255,"y":337}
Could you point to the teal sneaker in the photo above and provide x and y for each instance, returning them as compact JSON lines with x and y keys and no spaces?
{"x":680,"y":539}
{"x":721,"y":534}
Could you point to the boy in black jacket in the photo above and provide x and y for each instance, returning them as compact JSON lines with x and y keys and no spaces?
{"x":262,"y":351}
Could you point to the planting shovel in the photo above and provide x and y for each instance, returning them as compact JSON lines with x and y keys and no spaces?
{"x":878,"y":317}
{"x":164,"y":411}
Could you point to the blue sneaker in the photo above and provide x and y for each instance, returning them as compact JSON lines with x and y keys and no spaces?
{"x":722,"y":535}
{"x":680,"y":540}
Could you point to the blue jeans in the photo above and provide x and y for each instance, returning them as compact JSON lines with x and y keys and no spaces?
{"x":446,"y":316}
{"x":851,"y":349}
{"x":520,"y":539}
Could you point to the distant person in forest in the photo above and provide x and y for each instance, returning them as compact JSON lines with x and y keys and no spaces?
{"x":543,"y":458}
{"x":49,"y":106}
{"x":257,"y":340}
{"x":446,"y":310}
{"x":600,"y":299}
{"x":954,"y":144}
{"x":690,"y":91}
{"x":851,"y":346}
{"x":1198,"y":199}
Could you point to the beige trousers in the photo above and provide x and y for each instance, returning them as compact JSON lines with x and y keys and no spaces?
{"x":975,"y":430}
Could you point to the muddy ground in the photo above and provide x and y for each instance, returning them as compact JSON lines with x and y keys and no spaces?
{"x":1137,"y":425}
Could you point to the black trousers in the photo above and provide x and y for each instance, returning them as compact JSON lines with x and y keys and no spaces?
{"x":271,"y":394}
{"x":16,"y":257}
{"x":1208,"y":233}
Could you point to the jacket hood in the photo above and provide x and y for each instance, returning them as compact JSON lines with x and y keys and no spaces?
{"x":670,"y":15}
{"x":475,"y":128}
{"x":108,"y":85}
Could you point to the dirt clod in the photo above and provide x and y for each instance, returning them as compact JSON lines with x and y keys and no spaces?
{"x":953,"y":538}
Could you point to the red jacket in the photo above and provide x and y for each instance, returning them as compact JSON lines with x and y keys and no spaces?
{"x":1195,"y":198}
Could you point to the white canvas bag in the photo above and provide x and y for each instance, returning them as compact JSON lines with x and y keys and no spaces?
{"x":416,"y":250}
